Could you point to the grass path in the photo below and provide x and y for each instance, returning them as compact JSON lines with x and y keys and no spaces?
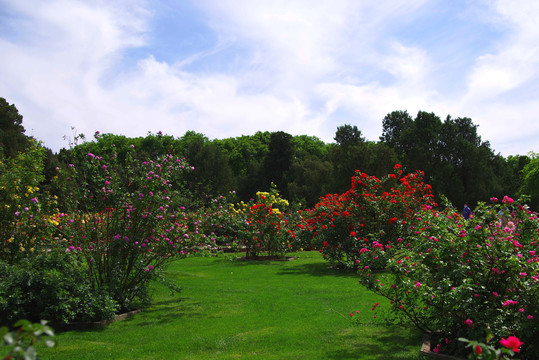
{"x":232,"y":309}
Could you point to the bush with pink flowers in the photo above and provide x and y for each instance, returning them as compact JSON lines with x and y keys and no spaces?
{"x":125,"y":221}
{"x":474,"y":279}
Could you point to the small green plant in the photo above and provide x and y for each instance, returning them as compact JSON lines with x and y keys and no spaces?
{"x":53,"y":286}
{"x":19,"y":343}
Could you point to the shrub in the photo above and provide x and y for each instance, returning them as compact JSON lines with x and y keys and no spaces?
{"x":472,"y":279}
{"x":374,"y":212}
{"x":21,"y":221}
{"x":264,"y":225}
{"x":218,"y":223}
{"x":120,"y":218}
{"x":52,"y":286}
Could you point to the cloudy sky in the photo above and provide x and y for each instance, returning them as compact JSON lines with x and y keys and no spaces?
{"x":227,"y":68}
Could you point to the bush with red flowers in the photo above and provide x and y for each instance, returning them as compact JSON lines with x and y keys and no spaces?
{"x":374,"y":213}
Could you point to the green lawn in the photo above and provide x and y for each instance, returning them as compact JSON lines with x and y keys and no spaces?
{"x":230,"y":309}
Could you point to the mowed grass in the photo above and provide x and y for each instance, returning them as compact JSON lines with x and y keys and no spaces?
{"x":231,"y":309}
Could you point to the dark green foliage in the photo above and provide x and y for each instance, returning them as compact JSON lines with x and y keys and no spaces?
{"x":457,"y":163}
{"x":347,"y":155}
{"x":352,"y":152}
{"x":213,"y":175}
{"x":278,"y":160}
{"x":348,"y":135}
{"x":530,"y":181}
{"x":396,"y":129}
{"x":12,"y":138}
{"x":308,"y":180}
{"x":50,"y":286}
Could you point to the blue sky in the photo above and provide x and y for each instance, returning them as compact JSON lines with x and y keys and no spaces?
{"x":227,"y":68}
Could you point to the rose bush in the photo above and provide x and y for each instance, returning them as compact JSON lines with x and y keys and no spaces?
{"x":264,"y":224}
{"x":121,"y":219}
{"x":372,"y":214}
{"x":473,"y":279}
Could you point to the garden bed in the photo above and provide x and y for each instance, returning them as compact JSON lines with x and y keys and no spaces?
{"x":426,"y":349}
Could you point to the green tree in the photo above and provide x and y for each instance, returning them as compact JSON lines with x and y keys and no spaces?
{"x":242,"y":151}
{"x":307,"y":146}
{"x":348,"y":135}
{"x":12,"y":138}
{"x":396,"y":132}
{"x":309,"y":179}
{"x":456,"y":161}
{"x":516,"y":164}
{"x":279,"y":158}
{"x":347,"y":155}
{"x":246,"y":155}
{"x":212,"y":174}
{"x":530,"y":181}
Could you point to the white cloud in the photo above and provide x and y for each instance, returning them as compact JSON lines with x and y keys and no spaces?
{"x":500,"y":83}
{"x":298,"y":66}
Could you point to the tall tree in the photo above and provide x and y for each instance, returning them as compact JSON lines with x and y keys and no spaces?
{"x":212,"y":174}
{"x":279,"y":158}
{"x":396,"y":132}
{"x":347,"y":155}
{"x":12,"y":137}
{"x":455,"y":160}
{"x":309,"y":179}
{"x":348,"y":135}
{"x":530,"y":183}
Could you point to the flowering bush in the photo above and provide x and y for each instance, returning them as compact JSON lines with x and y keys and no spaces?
{"x":22,"y":224}
{"x":371,"y":215}
{"x":120,"y":218}
{"x":264,"y":224}
{"x":473,"y":279}
{"x":219,"y":223}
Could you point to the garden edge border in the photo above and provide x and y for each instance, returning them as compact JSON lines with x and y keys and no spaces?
{"x":426,"y":350}
{"x":60,"y":327}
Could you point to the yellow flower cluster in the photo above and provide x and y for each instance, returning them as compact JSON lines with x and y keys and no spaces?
{"x":271,"y":199}
{"x":30,"y":190}
{"x":241,"y":207}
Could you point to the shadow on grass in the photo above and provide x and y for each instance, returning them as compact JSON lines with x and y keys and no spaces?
{"x":169,"y":310}
{"x":160,"y":312}
{"x":316,"y":269}
{"x":389,"y":345}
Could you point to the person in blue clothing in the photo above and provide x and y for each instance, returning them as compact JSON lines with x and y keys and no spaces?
{"x":466,"y":212}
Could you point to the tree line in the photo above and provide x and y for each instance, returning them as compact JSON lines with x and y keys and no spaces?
{"x":456,"y":161}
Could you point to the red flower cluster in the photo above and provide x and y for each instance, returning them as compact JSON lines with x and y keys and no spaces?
{"x":372,"y":210}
